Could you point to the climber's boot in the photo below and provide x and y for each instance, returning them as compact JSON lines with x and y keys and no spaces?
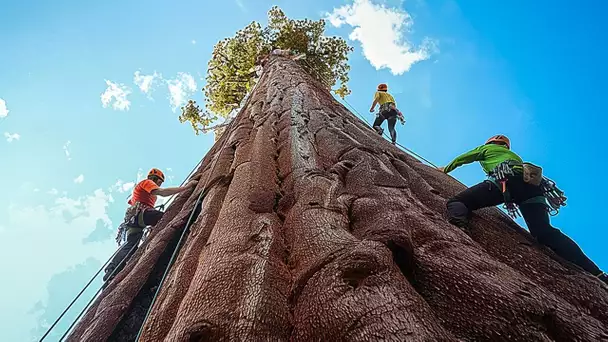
{"x":460,"y":223}
{"x":379,"y":130}
{"x":109,"y":275}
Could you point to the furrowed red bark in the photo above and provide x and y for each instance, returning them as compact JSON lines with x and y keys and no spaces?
{"x":316,"y":229}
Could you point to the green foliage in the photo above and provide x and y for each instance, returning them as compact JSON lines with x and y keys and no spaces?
{"x":232,"y":67}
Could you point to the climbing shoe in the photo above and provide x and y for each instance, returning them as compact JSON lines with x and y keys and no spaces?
{"x":460,"y":223}
{"x":379,"y":130}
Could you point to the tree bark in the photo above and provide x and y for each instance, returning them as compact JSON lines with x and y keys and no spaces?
{"x":317,"y":229}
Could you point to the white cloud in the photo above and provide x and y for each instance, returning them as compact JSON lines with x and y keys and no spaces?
{"x":53,"y":192}
{"x":180,"y":88}
{"x":3,"y":110}
{"x":79,"y":179}
{"x":55,"y":232}
{"x":117,"y":91}
{"x":380,"y":30}
{"x":193,"y":42}
{"x":146,"y":82}
{"x":66,"y":149}
{"x":10,"y":137}
{"x":122,"y":187}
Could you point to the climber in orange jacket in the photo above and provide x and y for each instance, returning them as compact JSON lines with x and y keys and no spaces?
{"x":140,"y":215}
{"x":519,"y":190}
{"x":388,"y":111}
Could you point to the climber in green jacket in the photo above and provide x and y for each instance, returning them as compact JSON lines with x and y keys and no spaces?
{"x":487,"y":194}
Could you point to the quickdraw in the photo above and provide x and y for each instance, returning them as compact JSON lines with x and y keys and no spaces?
{"x":551,"y":193}
{"x":554,"y":196}
{"x":500,"y":174}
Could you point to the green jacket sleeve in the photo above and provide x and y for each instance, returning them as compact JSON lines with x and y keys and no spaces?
{"x":466,"y":158}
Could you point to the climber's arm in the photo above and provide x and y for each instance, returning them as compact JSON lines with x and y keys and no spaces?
{"x":163,"y":192}
{"x":371,"y":110}
{"x":466,"y":158}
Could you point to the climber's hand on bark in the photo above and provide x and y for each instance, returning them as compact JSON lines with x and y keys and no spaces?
{"x":192,"y":183}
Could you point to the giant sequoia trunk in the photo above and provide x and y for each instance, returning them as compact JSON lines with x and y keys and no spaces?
{"x":316,"y":229}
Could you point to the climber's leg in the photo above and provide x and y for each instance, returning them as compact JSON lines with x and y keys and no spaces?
{"x":125,"y":252}
{"x":378,"y":122}
{"x":482,"y":195}
{"x":152,"y":216}
{"x":537,"y":219}
{"x":391,"y":128}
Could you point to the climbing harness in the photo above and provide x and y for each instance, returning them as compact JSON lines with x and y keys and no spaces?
{"x":553,"y":198}
{"x":389,"y":106}
{"x":499,"y":176}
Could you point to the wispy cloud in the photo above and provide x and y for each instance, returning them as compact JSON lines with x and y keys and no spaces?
{"x":146,"y":83}
{"x":241,"y":5}
{"x":66,"y":150}
{"x":193,"y":42}
{"x":11,"y":136}
{"x":53,"y":192}
{"x":79,"y":179}
{"x":3,"y":109}
{"x":180,"y":89}
{"x":381,"y":32}
{"x":122,"y":187}
{"x":119,"y":93}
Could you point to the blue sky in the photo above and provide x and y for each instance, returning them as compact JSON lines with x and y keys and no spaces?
{"x":460,"y":71}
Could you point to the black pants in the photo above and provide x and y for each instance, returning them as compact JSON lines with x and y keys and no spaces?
{"x":487,"y":194}
{"x":391,"y":117}
{"x":151,"y":218}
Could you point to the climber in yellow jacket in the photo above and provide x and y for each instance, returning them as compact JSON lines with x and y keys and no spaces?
{"x":388,"y":111}
{"x":494,"y":152}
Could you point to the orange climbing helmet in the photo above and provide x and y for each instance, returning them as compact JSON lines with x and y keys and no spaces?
{"x":500,"y":139}
{"x":382,"y":87}
{"x":158,"y":173}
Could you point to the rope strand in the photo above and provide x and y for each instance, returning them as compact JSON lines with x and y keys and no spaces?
{"x":96,"y":293}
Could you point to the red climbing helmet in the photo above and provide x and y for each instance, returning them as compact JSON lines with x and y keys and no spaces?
{"x":382,"y":87}
{"x":158,"y":173}
{"x":500,"y":139}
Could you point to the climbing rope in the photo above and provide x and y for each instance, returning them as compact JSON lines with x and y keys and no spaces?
{"x":48,"y":331}
{"x":80,"y":293}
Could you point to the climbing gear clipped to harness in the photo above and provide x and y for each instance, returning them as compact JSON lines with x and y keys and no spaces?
{"x":500,"y":139}
{"x":499,"y":175}
{"x":133,"y":221}
{"x":553,"y":198}
{"x":158,"y":173}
